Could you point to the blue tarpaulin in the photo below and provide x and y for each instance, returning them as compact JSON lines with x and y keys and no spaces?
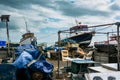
{"x":27,"y":53}
{"x":28,"y":48}
{"x":2,"y":43}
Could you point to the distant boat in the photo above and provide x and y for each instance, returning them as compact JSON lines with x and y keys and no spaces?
{"x":28,"y":38}
{"x":109,"y":46}
{"x":80,"y":34}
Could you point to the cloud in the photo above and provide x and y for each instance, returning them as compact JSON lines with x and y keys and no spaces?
{"x":115,"y":7}
{"x":2,"y":26}
{"x":24,"y":4}
{"x":44,"y":17}
{"x":74,"y":10}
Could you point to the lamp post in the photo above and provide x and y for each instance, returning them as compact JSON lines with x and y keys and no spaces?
{"x":5,"y":18}
{"x":59,"y":53}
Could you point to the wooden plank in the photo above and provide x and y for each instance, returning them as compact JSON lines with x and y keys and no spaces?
{"x":64,"y":54}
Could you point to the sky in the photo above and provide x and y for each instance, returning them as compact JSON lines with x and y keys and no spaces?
{"x":46,"y":17}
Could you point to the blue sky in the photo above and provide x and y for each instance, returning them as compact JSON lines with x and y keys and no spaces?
{"x":46,"y":17}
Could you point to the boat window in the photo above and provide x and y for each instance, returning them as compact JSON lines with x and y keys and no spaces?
{"x":79,"y":28}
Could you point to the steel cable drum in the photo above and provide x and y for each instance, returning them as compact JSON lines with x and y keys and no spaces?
{"x":7,"y":72}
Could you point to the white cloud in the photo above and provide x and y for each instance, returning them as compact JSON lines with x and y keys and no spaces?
{"x":37,"y":16}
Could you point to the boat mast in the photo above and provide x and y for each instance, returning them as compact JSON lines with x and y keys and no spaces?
{"x":26,"y":25}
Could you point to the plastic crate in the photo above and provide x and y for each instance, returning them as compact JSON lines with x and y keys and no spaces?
{"x":7,"y":72}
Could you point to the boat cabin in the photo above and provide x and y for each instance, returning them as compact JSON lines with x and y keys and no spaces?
{"x":80,"y":27}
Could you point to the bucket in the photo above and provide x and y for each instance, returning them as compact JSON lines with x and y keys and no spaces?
{"x":7,"y":72}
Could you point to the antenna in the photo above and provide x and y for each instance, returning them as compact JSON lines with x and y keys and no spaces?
{"x":76,"y":21}
{"x":26,"y":24}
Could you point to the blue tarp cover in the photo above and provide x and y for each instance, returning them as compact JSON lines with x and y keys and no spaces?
{"x":27,"y":53}
{"x":2,"y":43}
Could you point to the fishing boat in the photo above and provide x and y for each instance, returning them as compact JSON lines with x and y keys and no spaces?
{"x":28,"y":38}
{"x":109,"y":46}
{"x":80,"y":34}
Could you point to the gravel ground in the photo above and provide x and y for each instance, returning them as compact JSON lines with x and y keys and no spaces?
{"x":62,"y":75}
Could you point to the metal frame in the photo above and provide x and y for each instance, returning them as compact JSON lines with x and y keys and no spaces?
{"x":68,"y":31}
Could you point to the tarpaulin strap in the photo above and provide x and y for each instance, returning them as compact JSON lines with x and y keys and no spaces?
{"x":33,"y":61}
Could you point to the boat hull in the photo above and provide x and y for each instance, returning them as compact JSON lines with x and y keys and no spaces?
{"x":83,"y":39}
